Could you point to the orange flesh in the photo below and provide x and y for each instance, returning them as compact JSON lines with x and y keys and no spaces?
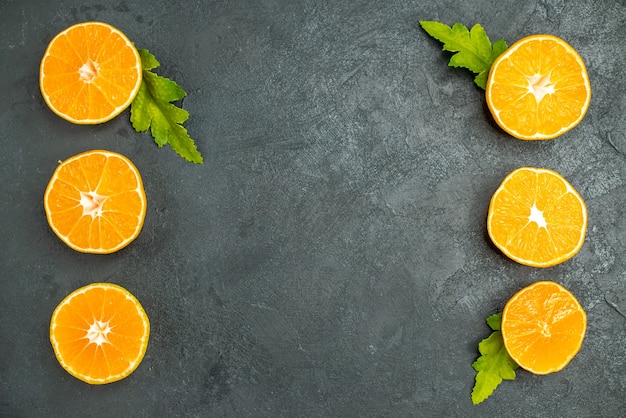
{"x":95,"y":202}
{"x":90,"y":73}
{"x":539,"y":88}
{"x":537,"y":218}
{"x":543,"y":327}
{"x":99,"y":333}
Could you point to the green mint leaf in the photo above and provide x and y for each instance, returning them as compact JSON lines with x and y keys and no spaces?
{"x":473,"y":49}
{"x":152,"y":109}
{"x":494,"y":321}
{"x":148,"y":61}
{"x":494,"y":363}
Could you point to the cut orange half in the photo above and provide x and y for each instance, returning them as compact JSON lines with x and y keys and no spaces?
{"x":537,"y":218}
{"x":543,"y":327}
{"x":90,"y":73}
{"x":99,"y":333}
{"x":538,"y":88}
{"x":95,"y":202}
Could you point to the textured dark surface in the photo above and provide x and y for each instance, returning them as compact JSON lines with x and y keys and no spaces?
{"x":330,"y":257}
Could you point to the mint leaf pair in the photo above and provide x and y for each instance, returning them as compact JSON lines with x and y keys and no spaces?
{"x":494,"y":364}
{"x":152,"y":109}
{"x":473,"y":49}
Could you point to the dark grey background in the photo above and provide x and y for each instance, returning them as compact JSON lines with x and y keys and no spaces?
{"x":330,"y":257}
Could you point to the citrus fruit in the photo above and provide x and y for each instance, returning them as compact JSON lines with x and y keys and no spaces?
{"x":95,"y":202}
{"x":90,"y":73}
{"x":537,"y":218}
{"x":99,"y":333}
{"x":543,"y":327}
{"x":538,"y":88}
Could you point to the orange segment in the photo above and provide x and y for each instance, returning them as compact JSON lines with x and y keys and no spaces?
{"x":99,"y":333}
{"x":95,"y":202}
{"x":537,"y":218}
{"x":538,"y":88}
{"x":543,"y":327}
{"x":90,"y":73}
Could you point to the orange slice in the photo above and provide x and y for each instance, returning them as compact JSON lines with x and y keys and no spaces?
{"x":538,"y":88}
{"x":99,"y":333}
{"x":543,"y":327}
{"x":95,"y":202}
{"x":90,"y":73}
{"x":537,"y":218}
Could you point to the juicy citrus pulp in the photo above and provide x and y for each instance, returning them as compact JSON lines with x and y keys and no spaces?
{"x":543,"y":327}
{"x":90,"y":73}
{"x":95,"y":202}
{"x":537,"y":218}
{"x":99,"y":333}
{"x":538,"y":88}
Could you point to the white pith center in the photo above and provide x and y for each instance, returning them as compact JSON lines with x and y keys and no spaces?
{"x":98,"y":332}
{"x":91,"y":203}
{"x":539,"y":86}
{"x":88,"y":71}
{"x":545,"y":331}
{"x":536,"y":216}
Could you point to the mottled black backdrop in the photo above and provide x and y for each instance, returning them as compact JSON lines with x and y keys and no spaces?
{"x":330,"y":257}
